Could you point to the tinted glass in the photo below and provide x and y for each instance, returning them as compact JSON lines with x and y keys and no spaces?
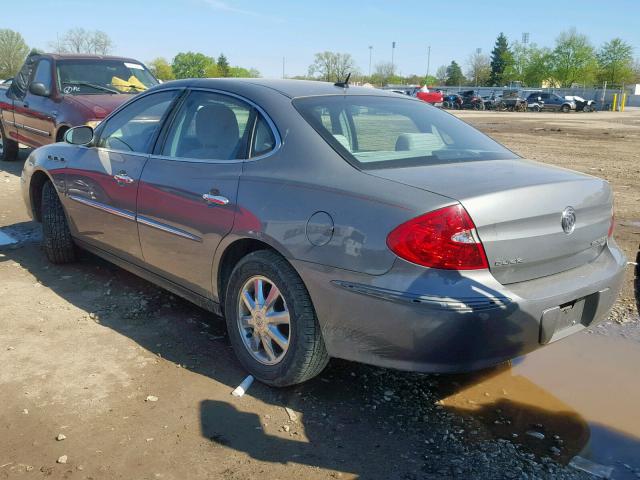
{"x":381,"y":132}
{"x":97,"y":77}
{"x":43,"y":73}
{"x":134,"y":127}
{"x":263,"y":140}
{"x":209,"y":126}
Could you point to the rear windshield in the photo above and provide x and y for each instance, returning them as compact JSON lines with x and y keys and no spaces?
{"x":97,"y":77}
{"x":386,"y":132}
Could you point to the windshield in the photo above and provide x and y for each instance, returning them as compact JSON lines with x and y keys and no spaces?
{"x":384,"y":132}
{"x":99,"y":77}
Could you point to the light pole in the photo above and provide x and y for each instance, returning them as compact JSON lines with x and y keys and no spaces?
{"x":393,"y":49}
{"x":370,"y":51}
{"x":283,"y":68}
{"x":428,"y":59}
{"x":475,"y":67}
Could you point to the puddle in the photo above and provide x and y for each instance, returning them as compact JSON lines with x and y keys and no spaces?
{"x":6,"y":239}
{"x":582,"y":394}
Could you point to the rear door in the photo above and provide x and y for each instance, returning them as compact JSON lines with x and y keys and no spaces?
{"x":102,"y":180}
{"x":188,"y":190}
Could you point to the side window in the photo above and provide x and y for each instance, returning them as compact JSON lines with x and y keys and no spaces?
{"x":544,"y":96}
{"x":43,"y":73}
{"x":134,"y":127}
{"x":209,"y":126}
{"x":263,"y":140}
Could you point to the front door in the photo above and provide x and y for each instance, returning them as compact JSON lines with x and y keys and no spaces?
{"x":102,"y":180}
{"x":187,"y":197}
{"x":36,"y":118}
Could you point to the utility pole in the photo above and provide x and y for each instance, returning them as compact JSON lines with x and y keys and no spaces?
{"x":475,"y":67}
{"x":370,"y":51}
{"x":428,"y":59}
{"x":283,"y":68}
{"x":393,"y":49}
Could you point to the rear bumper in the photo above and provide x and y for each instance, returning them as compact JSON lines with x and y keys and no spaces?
{"x":418,"y":319}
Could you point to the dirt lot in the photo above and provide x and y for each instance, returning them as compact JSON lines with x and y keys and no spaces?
{"x":139,"y":382}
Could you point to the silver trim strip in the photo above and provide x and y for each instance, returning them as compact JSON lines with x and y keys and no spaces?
{"x":37,"y":131}
{"x":166,"y":228}
{"x":105,"y":208}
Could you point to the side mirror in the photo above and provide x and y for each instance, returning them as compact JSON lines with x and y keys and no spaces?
{"x":39,"y":89}
{"x":82,"y":135}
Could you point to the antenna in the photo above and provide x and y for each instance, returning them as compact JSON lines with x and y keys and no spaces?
{"x":344,"y":84}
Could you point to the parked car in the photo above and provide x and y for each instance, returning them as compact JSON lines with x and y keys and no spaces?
{"x":536,"y":106}
{"x":582,"y":105}
{"x":471,"y":100}
{"x":551,"y":101}
{"x":492,"y":101}
{"x":452,"y":101}
{"x":381,"y":231}
{"x":434,"y":97}
{"x":513,"y":101}
{"x":52,"y":93}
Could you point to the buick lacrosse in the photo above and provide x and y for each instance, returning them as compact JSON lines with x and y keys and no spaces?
{"x":328,"y":220}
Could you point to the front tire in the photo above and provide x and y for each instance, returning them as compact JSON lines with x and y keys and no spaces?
{"x":56,"y":237}
{"x":8,"y":148}
{"x":565,"y":109}
{"x":271,"y":321}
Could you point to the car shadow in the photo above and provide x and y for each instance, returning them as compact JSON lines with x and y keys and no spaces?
{"x":367,"y":421}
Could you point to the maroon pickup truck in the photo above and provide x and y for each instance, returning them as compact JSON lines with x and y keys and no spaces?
{"x":53,"y":93}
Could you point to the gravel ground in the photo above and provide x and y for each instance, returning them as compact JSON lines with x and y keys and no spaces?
{"x":138,"y":382}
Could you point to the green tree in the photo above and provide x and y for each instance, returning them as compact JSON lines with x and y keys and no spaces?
{"x":240,"y":72}
{"x":191,"y":65}
{"x":615,"y":62}
{"x":573,"y":59}
{"x":332,"y":66}
{"x":161,"y":69}
{"x":212,"y":71}
{"x":454,"y":74}
{"x":223,"y":66}
{"x":13,"y":51}
{"x":501,"y":60}
{"x":531,"y":65}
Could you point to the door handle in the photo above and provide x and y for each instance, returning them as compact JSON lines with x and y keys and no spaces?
{"x":215,"y":199}
{"x":122,"y":178}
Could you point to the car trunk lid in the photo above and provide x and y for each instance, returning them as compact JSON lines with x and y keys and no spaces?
{"x":517,"y":207}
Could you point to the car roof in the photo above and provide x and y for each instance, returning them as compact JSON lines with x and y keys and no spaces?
{"x":82,"y":56}
{"x":287,"y":87}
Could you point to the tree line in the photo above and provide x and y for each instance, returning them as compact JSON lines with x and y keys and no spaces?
{"x":14,"y":50}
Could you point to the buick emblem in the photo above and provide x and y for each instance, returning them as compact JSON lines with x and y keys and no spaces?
{"x":568,"y":220}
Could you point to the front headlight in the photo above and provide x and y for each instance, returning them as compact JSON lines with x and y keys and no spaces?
{"x":93,"y":123}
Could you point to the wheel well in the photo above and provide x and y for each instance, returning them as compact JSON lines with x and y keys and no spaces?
{"x":60,"y":135}
{"x":231,"y":257}
{"x":35,"y":193}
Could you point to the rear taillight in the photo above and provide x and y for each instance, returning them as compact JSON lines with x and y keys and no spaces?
{"x":444,"y":238}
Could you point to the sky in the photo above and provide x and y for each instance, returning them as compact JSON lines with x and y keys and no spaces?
{"x":259,"y":34}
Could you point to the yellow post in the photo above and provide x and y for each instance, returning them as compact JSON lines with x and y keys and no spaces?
{"x":614,"y":106}
{"x":624,"y":99}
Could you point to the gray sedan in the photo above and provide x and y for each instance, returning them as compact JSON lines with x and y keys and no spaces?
{"x":327,"y":221}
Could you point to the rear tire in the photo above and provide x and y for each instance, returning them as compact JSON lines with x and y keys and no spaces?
{"x":305,"y":355}
{"x":8,"y":148}
{"x":56,"y":237}
{"x":565,"y":109}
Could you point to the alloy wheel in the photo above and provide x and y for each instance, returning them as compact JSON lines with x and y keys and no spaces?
{"x":263,"y":320}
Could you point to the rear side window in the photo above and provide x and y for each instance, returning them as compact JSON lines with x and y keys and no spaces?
{"x":263,"y":139}
{"x":209,"y":126}
{"x":385,"y":132}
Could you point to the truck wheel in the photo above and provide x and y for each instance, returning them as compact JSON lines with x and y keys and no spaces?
{"x":8,"y":148}
{"x":271,"y":321}
{"x":56,"y":237}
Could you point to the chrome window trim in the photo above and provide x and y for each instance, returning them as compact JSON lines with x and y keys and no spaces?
{"x":126,"y":214}
{"x":37,"y":131}
{"x":167,"y":228}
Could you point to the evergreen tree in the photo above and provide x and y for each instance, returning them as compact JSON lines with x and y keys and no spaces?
{"x":454,"y":74}
{"x":501,"y":59}
{"x":223,"y":65}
